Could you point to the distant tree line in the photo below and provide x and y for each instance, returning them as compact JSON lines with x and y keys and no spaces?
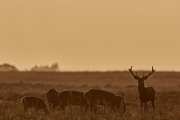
{"x":53,"y":68}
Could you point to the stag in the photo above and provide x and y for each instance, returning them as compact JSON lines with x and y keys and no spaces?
{"x":72,"y":98}
{"x":33,"y":102}
{"x":52,"y":98}
{"x":100,"y":97}
{"x":146,"y":93}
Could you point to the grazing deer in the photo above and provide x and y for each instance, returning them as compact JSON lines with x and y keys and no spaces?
{"x":52,"y":98}
{"x":100,"y":97}
{"x":33,"y":102}
{"x":72,"y":98}
{"x":146,"y":93}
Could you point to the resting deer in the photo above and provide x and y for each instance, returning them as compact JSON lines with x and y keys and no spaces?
{"x":146,"y":93}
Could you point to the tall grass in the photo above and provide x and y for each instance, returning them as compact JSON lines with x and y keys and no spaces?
{"x":15,"y":85}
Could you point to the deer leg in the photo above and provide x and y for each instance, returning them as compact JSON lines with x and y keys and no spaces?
{"x":90,"y":106}
{"x":124,"y":108}
{"x":63,"y":107}
{"x":152,"y":101}
{"x":141,"y":105}
{"x":86,"y":108}
{"x":49,"y":104}
{"x":145,"y":106}
{"x":25,"y":108}
{"x":53,"y":106}
{"x":95,"y":108}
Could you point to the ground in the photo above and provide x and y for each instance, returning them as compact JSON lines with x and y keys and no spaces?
{"x":15,"y":85}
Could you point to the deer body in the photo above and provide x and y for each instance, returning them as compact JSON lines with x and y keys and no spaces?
{"x":52,"y":98}
{"x":100,"y":97}
{"x":71,"y":97}
{"x":33,"y":102}
{"x":146,"y":93}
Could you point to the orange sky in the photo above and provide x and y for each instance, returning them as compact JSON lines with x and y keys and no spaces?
{"x":90,"y":34}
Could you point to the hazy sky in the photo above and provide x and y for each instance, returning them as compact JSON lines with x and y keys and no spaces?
{"x":91,"y":34}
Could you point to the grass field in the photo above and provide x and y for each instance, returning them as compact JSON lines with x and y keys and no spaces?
{"x":15,"y":85}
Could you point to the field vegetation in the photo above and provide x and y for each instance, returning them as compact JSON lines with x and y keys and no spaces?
{"x":15,"y":85}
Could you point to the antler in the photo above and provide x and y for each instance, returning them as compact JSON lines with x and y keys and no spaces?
{"x":135,"y":76}
{"x":145,"y":77}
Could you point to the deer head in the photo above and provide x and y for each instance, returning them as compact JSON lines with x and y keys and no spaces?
{"x":141,"y":80}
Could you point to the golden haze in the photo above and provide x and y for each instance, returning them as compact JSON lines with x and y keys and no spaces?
{"x":90,"y":35}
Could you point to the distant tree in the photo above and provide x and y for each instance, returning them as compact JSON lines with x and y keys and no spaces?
{"x":7,"y":67}
{"x":54,"y":68}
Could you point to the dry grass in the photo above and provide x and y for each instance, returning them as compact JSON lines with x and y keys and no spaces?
{"x":15,"y":85}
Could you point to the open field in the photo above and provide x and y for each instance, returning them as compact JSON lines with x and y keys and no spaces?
{"x":15,"y":85}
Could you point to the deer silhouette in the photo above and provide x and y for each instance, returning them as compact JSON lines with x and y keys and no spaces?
{"x":146,"y":93}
